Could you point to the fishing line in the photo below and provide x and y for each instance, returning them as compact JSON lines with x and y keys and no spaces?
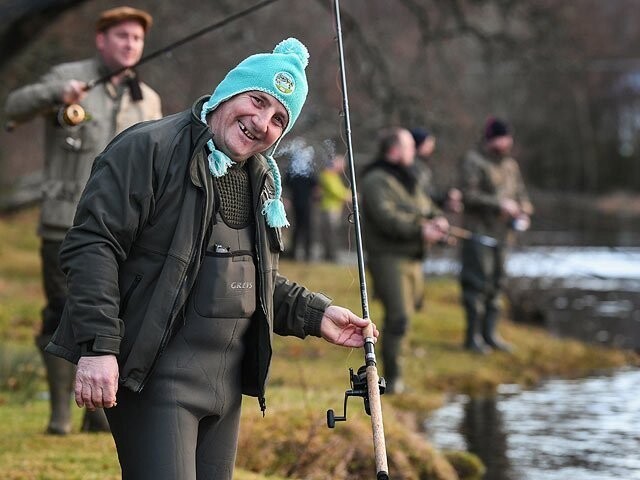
{"x":182,"y":41}
{"x":366,"y":383}
{"x":74,"y":114}
{"x":493,"y":243}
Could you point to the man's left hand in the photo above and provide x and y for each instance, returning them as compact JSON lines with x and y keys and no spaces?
{"x":342,"y":327}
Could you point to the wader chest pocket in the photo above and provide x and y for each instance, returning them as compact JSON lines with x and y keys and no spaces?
{"x":226,"y":285}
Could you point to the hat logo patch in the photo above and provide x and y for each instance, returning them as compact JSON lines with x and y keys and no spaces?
{"x":284,"y":82}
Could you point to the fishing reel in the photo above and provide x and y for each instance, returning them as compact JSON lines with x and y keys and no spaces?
{"x":359,"y":388}
{"x":71,"y":115}
{"x":520,"y":223}
{"x":68,"y":116}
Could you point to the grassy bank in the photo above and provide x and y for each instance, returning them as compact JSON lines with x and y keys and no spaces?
{"x":308,"y":377}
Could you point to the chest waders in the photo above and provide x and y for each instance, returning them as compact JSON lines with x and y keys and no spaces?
{"x":399,"y":284}
{"x":184,"y":424}
{"x":481,"y":279}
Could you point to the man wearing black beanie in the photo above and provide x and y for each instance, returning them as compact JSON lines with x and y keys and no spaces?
{"x":495,"y":204}
{"x":449,"y":199}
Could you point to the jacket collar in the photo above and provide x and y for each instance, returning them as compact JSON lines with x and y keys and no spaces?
{"x":258,"y":170}
{"x":200,"y":134}
{"x":405,"y":175}
{"x":197,"y":127}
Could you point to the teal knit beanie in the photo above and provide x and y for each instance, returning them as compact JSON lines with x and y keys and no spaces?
{"x":280,"y":74}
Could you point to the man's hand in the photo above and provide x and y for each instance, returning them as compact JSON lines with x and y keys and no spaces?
{"x":97,"y":382}
{"x":435,"y":230}
{"x":74,"y":91}
{"x":509,"y":208}
{"x":342,"y":327}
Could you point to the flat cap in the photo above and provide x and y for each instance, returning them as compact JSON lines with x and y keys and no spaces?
{"x":113,"y":16}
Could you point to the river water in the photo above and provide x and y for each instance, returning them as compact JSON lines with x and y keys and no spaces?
{"x":585,"y":429}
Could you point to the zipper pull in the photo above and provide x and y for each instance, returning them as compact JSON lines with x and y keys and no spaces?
{"x":263,"y":405}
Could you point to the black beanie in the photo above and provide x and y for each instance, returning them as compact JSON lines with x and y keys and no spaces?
{"x":495,"y":128}
{"x":419,"y":135}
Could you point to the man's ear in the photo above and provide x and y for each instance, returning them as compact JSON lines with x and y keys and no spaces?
{"x":100,"y":41}
{"x":393,"y":155}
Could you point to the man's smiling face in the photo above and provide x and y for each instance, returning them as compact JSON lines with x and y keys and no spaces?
{"x":247,"y":123}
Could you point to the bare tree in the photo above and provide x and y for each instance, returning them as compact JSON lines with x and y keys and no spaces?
{"x":22,"y":19}
{"x":445,"y":64}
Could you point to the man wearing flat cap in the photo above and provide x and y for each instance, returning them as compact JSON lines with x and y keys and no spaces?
{"x":496,"y":204}
{"x":110,"y":107}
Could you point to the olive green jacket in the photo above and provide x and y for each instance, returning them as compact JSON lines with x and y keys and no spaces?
{"x":137,"y":244}
{"x":392,"y":215}
{"x":70,"y":151}
{"x":485,"y":181}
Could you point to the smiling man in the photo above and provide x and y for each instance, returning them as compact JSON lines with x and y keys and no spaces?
{"x":69,"y":154}
{"x":248,"y":124}
{"x":172,"y":266}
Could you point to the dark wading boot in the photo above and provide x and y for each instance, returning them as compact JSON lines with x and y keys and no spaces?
{"x":60,"y":378}
{"x":472,"y":340}
{"x":95,"y":421}
{"x":391,"y":361}
{"x":489,"y":333}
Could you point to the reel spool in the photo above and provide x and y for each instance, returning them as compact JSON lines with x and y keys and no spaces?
{"x":71,"y":115}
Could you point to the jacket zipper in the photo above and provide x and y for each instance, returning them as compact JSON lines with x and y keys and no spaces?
{"x":127,"y":295}
{"x":262,"y":402}
{"x":165,"y":335}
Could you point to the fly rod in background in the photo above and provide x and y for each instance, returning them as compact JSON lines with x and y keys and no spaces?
{"x":365,"y":383}
{"x":492,"y":242}
{"x":464,"y":234}
{"x":73,"y":114}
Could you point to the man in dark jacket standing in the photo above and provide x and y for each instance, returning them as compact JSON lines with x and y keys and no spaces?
{"x":399,"y":222}
{"x":495,"y":204}
{"x":172,"y":264}
{"x":69,"y":153}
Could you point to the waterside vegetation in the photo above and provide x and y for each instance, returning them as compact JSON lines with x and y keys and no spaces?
{"x":308,"y":377}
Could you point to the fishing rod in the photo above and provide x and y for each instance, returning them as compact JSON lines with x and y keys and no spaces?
{"x":365,"y":383}
{"x":492,"y":242}
{"x":464,"y":234}
{"x":74,"y":114}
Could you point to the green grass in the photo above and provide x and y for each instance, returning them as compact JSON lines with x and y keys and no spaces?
{"x":26,"y":453}
{"x":307,"y":378}
{"x":21,"y":296}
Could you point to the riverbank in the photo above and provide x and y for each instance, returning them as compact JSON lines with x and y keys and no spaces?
{"x":308,"y":377}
